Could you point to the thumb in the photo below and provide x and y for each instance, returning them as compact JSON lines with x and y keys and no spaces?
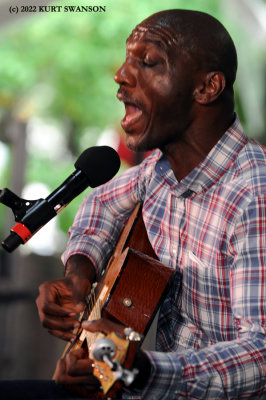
{"x":105,"y":326}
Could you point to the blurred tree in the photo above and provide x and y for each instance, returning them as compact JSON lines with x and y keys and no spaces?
{"x":56,"y":78}
{"x":61,"y":66}
{"x":76,"y":56}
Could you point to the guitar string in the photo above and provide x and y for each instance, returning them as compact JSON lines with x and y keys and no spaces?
{"x":84,"y":315}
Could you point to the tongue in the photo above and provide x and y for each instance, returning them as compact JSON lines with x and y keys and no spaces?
{"x":131,"y":111}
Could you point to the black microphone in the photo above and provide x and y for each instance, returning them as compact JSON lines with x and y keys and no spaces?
{"x":94,"y":167}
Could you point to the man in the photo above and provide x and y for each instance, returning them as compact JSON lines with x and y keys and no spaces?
{"x":203,"y":195}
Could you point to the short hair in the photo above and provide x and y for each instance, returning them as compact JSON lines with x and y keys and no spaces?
{"x":200,"y":35}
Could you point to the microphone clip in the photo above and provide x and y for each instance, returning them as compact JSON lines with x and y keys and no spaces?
{"x":30,"y":216}
{"x":18,"y":205}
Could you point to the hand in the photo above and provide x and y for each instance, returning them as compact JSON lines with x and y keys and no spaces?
{"x":59,"y":301}
{"x":76,"y":369}
{"x":58,"y":305}
{"x":141,"y":361}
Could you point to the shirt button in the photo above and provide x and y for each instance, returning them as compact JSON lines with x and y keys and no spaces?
{"x":187,"y":193}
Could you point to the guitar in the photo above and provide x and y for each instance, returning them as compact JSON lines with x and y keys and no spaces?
{"x":130,"y":292}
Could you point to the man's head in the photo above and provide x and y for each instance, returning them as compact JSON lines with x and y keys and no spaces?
{"x":177,"y":62}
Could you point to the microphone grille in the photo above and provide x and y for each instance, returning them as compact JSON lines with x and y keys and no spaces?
{"x":99,"y":164}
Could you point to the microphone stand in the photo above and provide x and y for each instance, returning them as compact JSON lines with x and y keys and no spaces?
{"x":20,"y":207}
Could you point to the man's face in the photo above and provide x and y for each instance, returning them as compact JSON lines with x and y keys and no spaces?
{"x":156,"y":86}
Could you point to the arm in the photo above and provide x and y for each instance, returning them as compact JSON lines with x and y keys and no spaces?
{"x":230,"y":369}
{"x":93,"y":236}
{"x":76,"y":368}
{"x":104,"y":212}
{"x":101,"y":218}
{"x":225,"y":370}
{"x":60,"y":300}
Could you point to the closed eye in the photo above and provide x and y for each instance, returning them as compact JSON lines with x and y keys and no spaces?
{"x":148,"y":63}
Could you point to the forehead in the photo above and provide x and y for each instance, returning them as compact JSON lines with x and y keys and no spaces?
{"x":161,"y":37}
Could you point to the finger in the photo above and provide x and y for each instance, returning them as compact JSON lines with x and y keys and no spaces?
{"x":52,"y":291}
{"x":51,"y":308}
{"x":58,"y":292}
{"x":79,"y":353}
{"x":55,"y":310}
{"x":61,"y":324}
{"x":68,"y":336}
{"x":60,"y":371}
{"x":77,"y":365}
{"x":62,"y":377}
{"x":104,"y":325}
{"x":81,"y":368}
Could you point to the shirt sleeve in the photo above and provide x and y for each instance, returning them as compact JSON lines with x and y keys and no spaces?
{"x":102,"y":215}
{"x":233,"y":369}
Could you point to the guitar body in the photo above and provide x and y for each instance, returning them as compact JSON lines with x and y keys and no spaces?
{"x":131,"y":289}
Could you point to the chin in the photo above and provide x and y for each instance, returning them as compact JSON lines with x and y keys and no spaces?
{"x":139,"y":143}
{"x":139,"y":146}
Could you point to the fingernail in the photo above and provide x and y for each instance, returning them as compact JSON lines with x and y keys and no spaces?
{"x":80,"y":305}
{"x":86,"y":324}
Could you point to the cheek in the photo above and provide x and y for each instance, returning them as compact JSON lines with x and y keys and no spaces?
{"x":158,"y":92}
{"x":154,"y":83}
{"x":163,"y":87}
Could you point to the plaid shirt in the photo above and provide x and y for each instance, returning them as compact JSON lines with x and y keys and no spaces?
{"x":211,"y":228}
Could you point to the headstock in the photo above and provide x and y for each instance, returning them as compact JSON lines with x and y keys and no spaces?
{"x":109,"y":354}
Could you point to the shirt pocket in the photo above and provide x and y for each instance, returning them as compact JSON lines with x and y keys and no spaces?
{"x":198,"y":284}
{"x":196,"y":260}
{"x":206,"y":296}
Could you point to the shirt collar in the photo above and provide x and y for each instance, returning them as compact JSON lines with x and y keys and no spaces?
{"x":211,"y":168}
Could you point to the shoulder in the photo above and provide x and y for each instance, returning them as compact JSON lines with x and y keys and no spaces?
{"x":251,"y":167}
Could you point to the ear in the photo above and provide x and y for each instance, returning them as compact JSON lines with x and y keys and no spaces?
{"x":210,"y":88}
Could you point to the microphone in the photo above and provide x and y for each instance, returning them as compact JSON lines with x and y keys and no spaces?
{"x":95,"y":166}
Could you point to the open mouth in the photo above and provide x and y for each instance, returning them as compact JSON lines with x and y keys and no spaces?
{"x":133,"y":113}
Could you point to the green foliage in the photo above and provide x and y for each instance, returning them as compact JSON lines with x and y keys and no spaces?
{"x":75,"y":56}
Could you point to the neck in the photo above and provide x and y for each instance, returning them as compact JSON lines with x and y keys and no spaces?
{"x":188,"y":151}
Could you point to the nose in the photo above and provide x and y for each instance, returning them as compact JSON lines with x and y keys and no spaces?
{"x":125,"y":75}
